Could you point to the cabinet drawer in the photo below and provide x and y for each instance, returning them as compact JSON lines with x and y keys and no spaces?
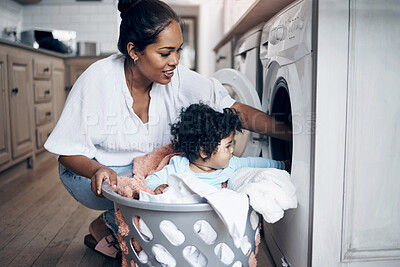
{"x":42,"y":91}
{"x":43,"y":114}
{"x":41,"y":69}
{"x":42,"y":133}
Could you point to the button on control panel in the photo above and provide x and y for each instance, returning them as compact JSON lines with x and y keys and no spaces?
{"x":277,"y":34}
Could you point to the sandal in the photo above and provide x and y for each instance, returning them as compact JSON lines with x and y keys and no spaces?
{"x":108,"y":246}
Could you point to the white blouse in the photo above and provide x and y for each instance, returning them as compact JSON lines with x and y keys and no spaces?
{"x":98,"y":120}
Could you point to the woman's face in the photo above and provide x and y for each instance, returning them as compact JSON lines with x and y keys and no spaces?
{"x":158,"y":61}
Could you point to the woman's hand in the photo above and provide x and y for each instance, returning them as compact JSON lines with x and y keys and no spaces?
{"x":91,"y":169}
{"x":257,"y":121}
{"x":103,"y":174}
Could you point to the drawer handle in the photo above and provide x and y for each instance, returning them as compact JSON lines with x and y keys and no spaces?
{"x":48,"y":113}
{"x":14,"y":90}
{"x":46,"y":69}
{"x":47,"y":92}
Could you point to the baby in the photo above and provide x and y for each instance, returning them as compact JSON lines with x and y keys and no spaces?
{"x":205,"y":136}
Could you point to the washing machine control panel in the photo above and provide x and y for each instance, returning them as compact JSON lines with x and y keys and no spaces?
{"x":281,"y":32}
{"x":289,"y":33}
{"x":277,"y":34}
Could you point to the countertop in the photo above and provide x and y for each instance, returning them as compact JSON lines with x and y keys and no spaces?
{"x":44,"y":51}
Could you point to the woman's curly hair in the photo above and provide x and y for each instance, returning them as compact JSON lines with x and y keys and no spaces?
{"x":201,"y":128}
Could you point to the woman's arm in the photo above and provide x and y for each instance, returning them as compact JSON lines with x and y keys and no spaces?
{"x":83,"y":166}
{"x":257,"y":121}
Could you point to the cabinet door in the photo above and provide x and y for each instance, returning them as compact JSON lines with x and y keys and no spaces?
{"x":20,"y":105}
{"x":5,"y":154}
{"x":356,"y":188}
{"x":76,"y":66}
{"x":60,"y":93}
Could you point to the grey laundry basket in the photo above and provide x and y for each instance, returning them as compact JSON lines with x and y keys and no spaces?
{"x":184,"y":216}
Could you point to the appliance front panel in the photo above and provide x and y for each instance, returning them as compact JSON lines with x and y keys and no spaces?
{"x":242,"y":90}
{"x":290,"y":236}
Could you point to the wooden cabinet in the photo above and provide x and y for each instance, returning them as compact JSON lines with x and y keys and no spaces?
{"x":16,"y":116}
{"x":32,"y":94}
{"x":20,"y":105}
{"x":41,"y":68}
{"x":43,"y":91}
{"x":5,"y":142}
{"x":59,"y":88}
{"x":75,"y":66}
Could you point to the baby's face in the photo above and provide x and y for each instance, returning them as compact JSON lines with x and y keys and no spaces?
{"x":220,"y":158}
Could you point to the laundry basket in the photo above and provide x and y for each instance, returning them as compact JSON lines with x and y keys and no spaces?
{"x":184,"y":217}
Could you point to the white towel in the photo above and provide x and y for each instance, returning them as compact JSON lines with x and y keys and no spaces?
{"x":176,"y":192}
{"x":194,"y":256}
{"x":270,"y":190}
{"x":163,"y":256}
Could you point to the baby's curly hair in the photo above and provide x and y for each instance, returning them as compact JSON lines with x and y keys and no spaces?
{"x":201,"y":128}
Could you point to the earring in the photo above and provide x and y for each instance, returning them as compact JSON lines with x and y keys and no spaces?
{"x":134,"y":60}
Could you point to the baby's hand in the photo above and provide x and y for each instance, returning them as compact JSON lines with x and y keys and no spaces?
{"x":160,"y":189}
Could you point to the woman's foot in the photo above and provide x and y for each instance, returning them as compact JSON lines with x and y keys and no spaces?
{"x":108,"y":246}
{"x":102,"y":239}
{"x":98,"y":229}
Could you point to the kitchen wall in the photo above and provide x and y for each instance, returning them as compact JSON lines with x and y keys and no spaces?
{"x":210,"y":33}
{"x":98,"y":21}
{"x":10,"y":16}
{"x":93,"y":21}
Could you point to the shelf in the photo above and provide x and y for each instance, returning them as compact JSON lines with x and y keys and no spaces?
{"x":261,"y":11}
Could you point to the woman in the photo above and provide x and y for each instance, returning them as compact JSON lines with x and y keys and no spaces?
{"x":121,"y":107}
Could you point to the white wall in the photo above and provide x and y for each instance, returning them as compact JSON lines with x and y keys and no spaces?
{"x":99,"y":22}
{"x":10,"y":16}
{"x":210,"y":33}
{"x":210,"y":29}
{"x":93,"y":21}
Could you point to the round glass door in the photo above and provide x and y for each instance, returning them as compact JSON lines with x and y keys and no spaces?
{"x":281,"y":110}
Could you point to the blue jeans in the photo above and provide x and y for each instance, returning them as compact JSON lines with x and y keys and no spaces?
{"x":79,"y":188}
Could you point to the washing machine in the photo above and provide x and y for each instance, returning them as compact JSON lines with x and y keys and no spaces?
{"x":243,"y":82}
{"x":287,"y":58}
{"x":224,"y":56}
{"x":246,"y":57}
{"x":246,"y":144}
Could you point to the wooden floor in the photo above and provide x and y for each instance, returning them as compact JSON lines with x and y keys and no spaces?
{"x":42,"y":225}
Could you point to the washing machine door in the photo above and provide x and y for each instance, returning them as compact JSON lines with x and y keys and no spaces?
{"x":241,"y":89}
